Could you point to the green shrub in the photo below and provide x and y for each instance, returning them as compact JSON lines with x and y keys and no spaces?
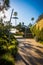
{"x":3,"y":49}
{"x":37,"y":33}
{"x":41,"y":34}
{"x":13,"y":49}
{"x":14,"y":42}
{"x":7,"y":59}
{"x":33,"y":30}
{"x":3,"y":42}
{"x":5,"y":38}
{"x":12,"y":36}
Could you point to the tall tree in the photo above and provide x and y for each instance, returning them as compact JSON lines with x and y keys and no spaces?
{"x":22,"y":23}
{"x":4,"y":4}
{"x":29,"y":25}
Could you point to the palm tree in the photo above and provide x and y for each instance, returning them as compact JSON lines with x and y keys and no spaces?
{"x":32,"y":19}
{"x":15,"y":14}
{"x":22,"y":23}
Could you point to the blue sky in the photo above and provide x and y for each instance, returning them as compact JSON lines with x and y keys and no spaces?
{"x":26,"y":10}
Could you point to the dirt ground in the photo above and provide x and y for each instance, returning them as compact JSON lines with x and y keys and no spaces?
{"x":30,"y":52}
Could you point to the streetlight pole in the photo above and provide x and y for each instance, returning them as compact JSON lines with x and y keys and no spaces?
{"x":10,"y":23}
{"x":11,"y":15}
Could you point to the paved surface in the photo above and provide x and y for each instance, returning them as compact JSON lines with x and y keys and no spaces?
{"x":29,"y":53}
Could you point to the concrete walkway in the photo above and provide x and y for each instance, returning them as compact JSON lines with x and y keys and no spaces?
{"x":30,"y":52}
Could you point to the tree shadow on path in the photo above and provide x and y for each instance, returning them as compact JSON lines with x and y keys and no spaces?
{"x":31,"y":58}
{"x":19,"y":58}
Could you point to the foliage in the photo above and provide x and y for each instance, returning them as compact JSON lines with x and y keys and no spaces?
{"x":37,"y":33}
{"x":30,"y":25}
{"x":41,"y":34}
{"x":15,"y":13}
{"x":6,"y":47}
{"x":7,"y":59}
{"x":32,"y":18}
{"x":39,"y":18}
{"x":4,"y":4}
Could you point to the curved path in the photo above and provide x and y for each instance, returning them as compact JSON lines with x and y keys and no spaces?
{"x":30,"y":52}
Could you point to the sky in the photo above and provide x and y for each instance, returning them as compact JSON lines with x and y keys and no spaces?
{"x":26,"y":9}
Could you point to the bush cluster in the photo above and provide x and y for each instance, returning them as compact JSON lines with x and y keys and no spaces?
{"x":8,"y":50}
{"x":37,"y":33}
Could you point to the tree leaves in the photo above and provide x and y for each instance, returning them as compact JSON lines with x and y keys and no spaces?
{"x":5,"y":5}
